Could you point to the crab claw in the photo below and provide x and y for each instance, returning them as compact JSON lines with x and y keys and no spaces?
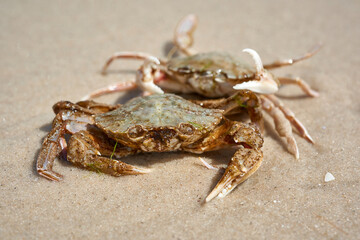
{"x":244,"y":163}
{"x":183,"y":38}
{"x":266,"y":84}
{"x":146,"y":75}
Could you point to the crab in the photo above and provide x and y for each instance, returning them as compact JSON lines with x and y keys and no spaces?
{"x":154,"y":123}
{"x":216,"y":75}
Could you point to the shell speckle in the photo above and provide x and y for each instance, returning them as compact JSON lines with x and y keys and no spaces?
{"x":213,"y":64}
{"x":159,"y":111}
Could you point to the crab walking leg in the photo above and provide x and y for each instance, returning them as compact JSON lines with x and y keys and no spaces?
{"x":291,"y":61}
{"x":51,"y":147}
{"x":146,"y":76}
{"x":129,"y":55}
{"x":67,"y":120}
{"x":84,"y":151}
{"x":301,"y":83}
{"x":243,"y":99}
{"x":183,"y":38}
{"x":282,"y":125}
{"x":291,"y":117}
{"x":248,"y":100}
{"x":123,"y":86}
{"x":208,"y":165}
{"x":244,"y":163}
{"x":119,"y":87}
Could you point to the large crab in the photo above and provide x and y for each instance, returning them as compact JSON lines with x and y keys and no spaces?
{"x":155,"y":123}
{"x":214,"y":75}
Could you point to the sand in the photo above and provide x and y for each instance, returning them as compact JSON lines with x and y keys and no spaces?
{"x":54,"y":50}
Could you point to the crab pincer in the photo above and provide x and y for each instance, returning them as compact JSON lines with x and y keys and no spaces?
{"x":246,"y":160}
{"x":78,"y":121}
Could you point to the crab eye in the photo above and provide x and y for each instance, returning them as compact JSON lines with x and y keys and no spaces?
{"x":186,"y":129}
{"x":184,"y":70}
{"x":136,"y":131}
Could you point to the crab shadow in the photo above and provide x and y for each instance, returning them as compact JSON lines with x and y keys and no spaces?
{"x":128,"y":95}
{"x":291,"y":97}
{"x":118,"y":71}
{"x":219,"y":158}
{"x":168,"y":47}
{"x":46,"y":128}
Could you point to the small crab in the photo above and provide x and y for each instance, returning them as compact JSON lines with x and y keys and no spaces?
{"x":155,"y":123}
{"x":216,"y":74}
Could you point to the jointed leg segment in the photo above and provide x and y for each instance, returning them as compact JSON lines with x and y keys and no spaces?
{"x":243,"y":99}
{"x":51,"y":147}
{"x":74,"y":119}
{"x":291,"y":117}
{"x":243,"y":164}
{"x":91,"y":149}
{"x":246,"y":160}
{"x":183,"y":37}
{"x":146,"y":76}
{"x":301,"y":83}
{"x":282,"y":125}
{"x":129,"y":55}
{"x":289,"y":62}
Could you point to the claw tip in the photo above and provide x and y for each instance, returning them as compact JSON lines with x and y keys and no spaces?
{"x":256,"y":57}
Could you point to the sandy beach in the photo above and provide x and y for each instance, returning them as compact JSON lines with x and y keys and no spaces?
{"x":54,"y":50}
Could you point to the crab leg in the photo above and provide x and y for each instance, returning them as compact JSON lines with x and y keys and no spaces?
{"x":244,"y":163}
{"x":70,"y":118}
{"x":119,"y":87}
{"x":51,"y":147}
{"x":146,"y":76}
{"x":89,"y":149}
{"x":183,"y":38}
{"x":291,"y":117}
{"x":208,"y":165}
{"x":301,"y":83}
{"x":129,"y":55}
{"x":243,"y":99}
{"x":288,"y":62}
{"x":246,"y":160}
{"x":282,"y":125}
